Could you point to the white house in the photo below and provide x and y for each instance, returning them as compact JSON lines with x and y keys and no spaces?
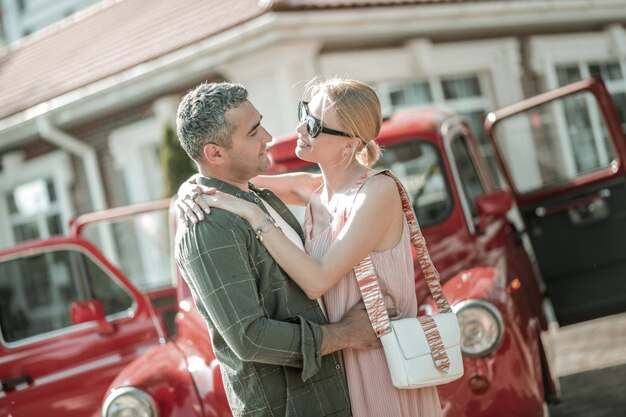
{"x":83,"y":102}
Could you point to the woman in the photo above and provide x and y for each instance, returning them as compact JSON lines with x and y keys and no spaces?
{"x":352,"y":214}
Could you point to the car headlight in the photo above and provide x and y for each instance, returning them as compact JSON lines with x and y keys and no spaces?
{"x":482,"y":327}
{"x":129,"y":402}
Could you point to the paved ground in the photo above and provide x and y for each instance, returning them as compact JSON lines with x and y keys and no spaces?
{"x":600,"y":393}
{"x":591,"y":359}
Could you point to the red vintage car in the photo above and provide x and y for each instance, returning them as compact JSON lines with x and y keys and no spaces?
{"x":72,"y":318}
{"x":517,"y":249}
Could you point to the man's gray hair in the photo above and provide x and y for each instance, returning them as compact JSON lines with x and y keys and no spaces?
{"x":201,"y":116}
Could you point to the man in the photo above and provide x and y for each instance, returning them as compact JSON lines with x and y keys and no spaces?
{"x":277,"y":355}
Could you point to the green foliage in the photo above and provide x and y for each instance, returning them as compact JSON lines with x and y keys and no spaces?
{"x":175,"y":163}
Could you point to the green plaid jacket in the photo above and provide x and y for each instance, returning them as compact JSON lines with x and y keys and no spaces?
{"x":265,"y":331}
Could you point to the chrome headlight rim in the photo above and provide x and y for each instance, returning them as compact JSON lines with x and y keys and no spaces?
{"x":136,"y":392}
{"x":495,"y":313}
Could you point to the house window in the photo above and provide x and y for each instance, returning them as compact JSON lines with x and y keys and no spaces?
{"x":34,"y":210}
{"x":464,"y":94}
{"x":613,"y":73}
{"x":34,"y":196}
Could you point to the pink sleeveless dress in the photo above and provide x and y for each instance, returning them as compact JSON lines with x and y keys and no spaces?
{"x":371,"y":392}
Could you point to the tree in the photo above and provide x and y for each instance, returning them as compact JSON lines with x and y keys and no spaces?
{"x":175,"y":163}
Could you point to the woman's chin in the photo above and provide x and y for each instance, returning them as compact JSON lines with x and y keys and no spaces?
{"x":303,"y":153}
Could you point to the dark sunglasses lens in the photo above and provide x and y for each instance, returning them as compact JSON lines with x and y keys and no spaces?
{"x":312,"y":127}
{"x":301,"y":112}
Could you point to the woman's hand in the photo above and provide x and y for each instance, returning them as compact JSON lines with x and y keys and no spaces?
{"x":200,"y":199}
{"x":188,"y":205}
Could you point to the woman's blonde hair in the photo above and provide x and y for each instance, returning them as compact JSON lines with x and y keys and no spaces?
{"x":358,"y":109}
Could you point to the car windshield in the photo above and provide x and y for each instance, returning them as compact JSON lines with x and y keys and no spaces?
{"x":418,"y":165}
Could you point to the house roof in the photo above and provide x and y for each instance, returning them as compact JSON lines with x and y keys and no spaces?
{"x":116,"y":35}
{"x":327,"y":4}
{"x":106,"y":39}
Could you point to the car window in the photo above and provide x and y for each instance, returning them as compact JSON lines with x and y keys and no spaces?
{"x":555,"y":143}
{"x":36,"y":292}
{"x":418,"y":165}
{"x":139,"y":245}
{"x":468,"y":174}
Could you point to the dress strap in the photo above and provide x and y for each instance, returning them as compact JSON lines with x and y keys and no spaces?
{"x":361,"y":180}
{"x":358,"y":184}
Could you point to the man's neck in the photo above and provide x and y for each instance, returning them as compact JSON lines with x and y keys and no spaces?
{"x":236,"y":182}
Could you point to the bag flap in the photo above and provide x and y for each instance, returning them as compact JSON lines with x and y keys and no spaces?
{"x":412,"y":340}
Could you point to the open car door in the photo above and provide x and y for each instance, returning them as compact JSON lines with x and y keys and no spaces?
{"x":563,"y":155}
{"x":138,"y":240}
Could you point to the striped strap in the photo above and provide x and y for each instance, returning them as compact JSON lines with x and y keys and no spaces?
{"x":371,"y":293}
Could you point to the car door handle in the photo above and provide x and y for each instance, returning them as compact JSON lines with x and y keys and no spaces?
{"x":11,"y":383}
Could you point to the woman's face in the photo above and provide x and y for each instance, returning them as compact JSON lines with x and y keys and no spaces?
{"x":325,"y":147}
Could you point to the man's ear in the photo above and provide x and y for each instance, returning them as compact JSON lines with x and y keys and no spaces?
{"x":213,"y":153}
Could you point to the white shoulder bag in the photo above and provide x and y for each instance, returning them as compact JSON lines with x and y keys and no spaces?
{"x":421,"y":351}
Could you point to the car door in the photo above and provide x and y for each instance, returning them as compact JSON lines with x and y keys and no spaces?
{"x":69,"y":322}
{"x":138,"y":240}
{"x":563,"y":155}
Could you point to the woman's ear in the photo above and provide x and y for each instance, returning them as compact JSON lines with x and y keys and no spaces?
{"x":355,"y":144}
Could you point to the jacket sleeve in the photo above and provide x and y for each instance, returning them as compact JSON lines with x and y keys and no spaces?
{"x":214,"y":259}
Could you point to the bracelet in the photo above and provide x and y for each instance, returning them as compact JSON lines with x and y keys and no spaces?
{"x":262,"y":228}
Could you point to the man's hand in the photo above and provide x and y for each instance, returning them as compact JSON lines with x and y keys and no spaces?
{"x":354,"y":331}
{"x":357,"y":328}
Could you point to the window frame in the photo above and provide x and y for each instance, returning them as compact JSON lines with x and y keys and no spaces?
{"x":456,"y":128}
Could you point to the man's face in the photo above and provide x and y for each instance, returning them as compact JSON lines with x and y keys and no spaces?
{"x":247,"y":156}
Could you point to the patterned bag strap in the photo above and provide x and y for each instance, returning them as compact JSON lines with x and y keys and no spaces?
{"x":372,"y":295}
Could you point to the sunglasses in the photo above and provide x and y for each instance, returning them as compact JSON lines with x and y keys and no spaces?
{"x":314,"y":125}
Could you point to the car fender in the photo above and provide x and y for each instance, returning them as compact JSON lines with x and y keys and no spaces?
{"x":163,"y":374}
{"x":205,"y":371}
{"x":510,"y":371}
